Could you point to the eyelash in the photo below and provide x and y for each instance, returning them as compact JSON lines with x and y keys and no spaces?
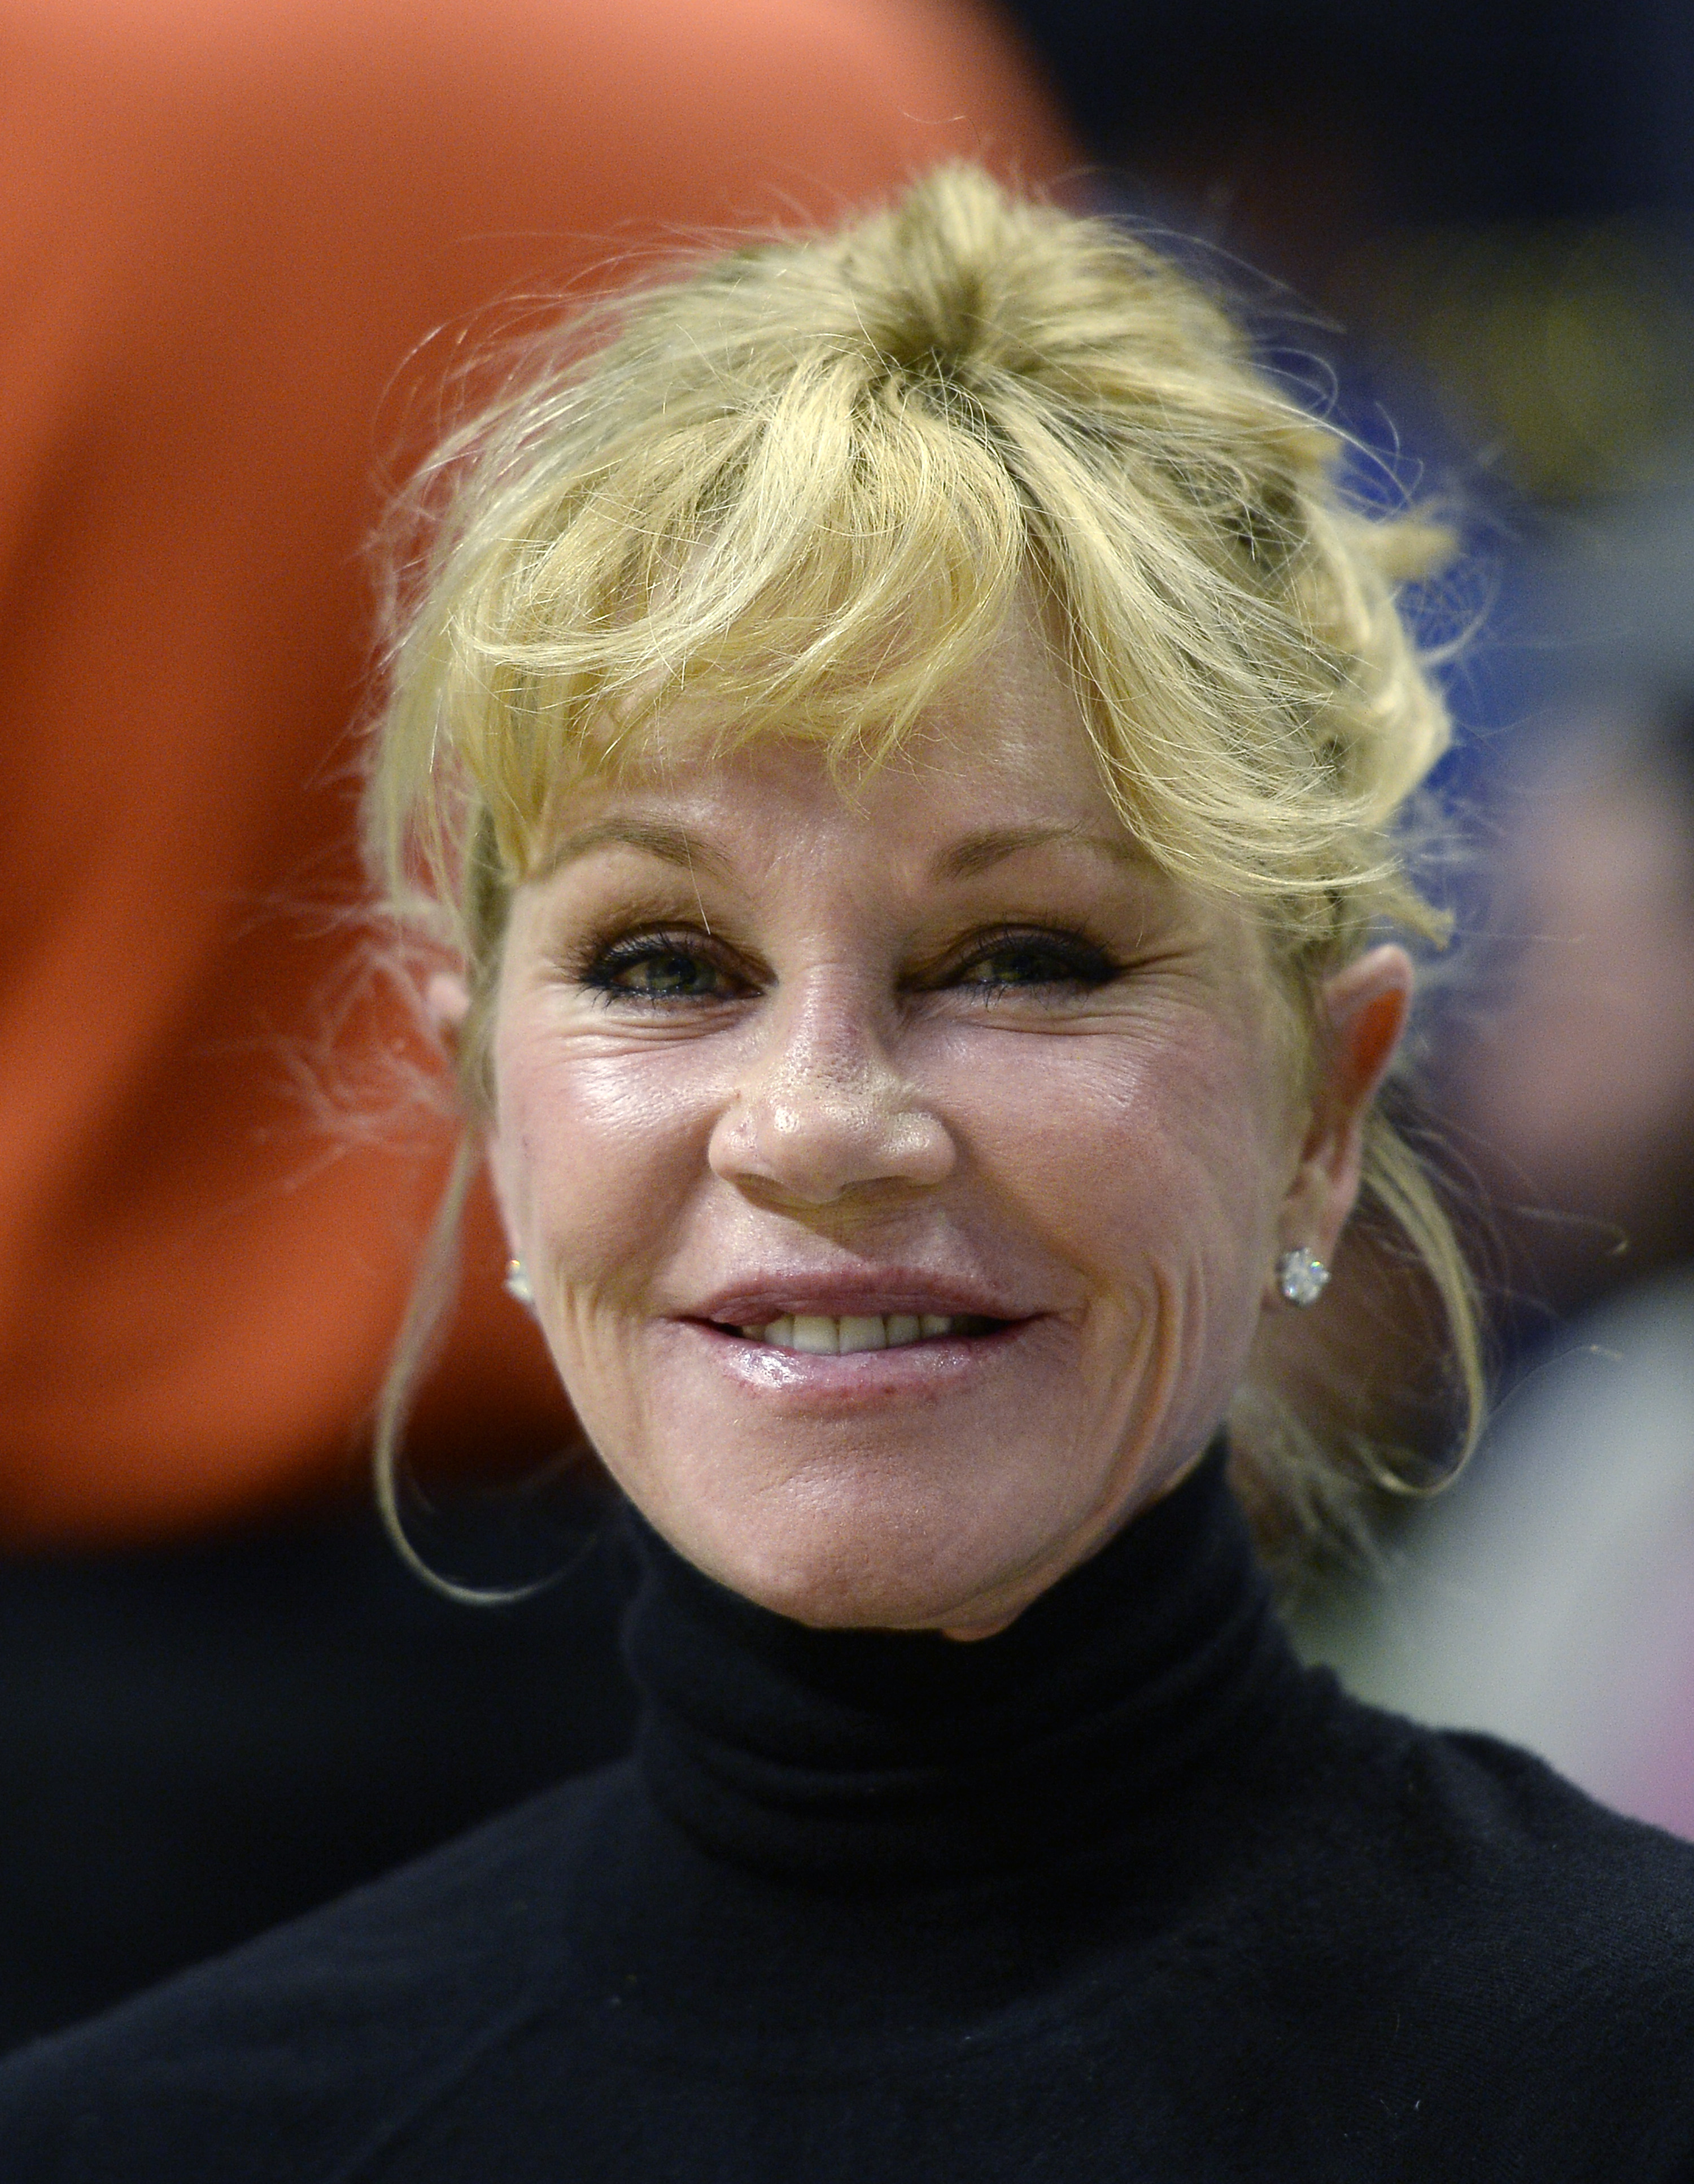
{"x":606,"y":962}
{"x":1081,"y":964}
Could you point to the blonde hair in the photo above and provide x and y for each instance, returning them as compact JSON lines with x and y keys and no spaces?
{"x":804,"y":478}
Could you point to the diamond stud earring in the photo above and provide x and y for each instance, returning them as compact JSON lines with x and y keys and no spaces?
{"x":517,"y":1285}
{"x":1301,"y":1276}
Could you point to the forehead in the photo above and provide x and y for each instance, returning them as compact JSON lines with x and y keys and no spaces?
{"x":1003,"y":749}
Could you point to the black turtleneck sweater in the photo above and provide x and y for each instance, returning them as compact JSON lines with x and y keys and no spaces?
{"x":1121,"y":1894}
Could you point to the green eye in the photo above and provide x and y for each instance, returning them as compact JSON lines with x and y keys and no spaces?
{"x":671,"y":973}
{"x":655,"y":969}
{"x":1036,"y":959}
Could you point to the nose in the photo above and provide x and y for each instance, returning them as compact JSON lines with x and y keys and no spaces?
{"x":820,"y":1110}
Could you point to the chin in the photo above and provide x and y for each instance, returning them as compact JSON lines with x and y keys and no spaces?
{"x":837,"y":1555}
{"x":828,"y":1596}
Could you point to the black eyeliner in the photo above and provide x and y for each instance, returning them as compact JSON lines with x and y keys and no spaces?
{"x":1080,"y":961}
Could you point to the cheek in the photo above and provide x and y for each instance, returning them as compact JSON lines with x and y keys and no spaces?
{"x":595,"y":1155}
{"x":1142,"y":1164}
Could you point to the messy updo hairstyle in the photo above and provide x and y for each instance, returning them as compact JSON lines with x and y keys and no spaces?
{"x":803,"y":479}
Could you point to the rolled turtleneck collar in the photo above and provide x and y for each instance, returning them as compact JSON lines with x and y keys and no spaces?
{"x":844,"y":1758}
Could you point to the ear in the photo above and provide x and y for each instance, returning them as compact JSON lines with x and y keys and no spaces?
{"x":448,"y":1000}
{"x":1361,"y":1016}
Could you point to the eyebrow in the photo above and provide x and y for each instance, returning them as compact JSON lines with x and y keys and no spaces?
{"x":981,"y":852}
{"x":674,"y":845}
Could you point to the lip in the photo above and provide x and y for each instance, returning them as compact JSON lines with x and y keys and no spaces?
{"x":822,"y":1385}
{"x":866,"y":1293}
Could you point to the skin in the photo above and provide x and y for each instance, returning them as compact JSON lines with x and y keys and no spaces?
{"x":942,"y":1041}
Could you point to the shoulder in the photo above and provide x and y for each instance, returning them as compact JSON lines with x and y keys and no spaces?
{"x":1469,"y":1950}
{"x":1483,"y":1860}
{"x":308,"y":2043}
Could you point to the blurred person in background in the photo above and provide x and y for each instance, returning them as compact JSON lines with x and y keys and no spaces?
{"x":241,"y":246}
{"x":1549,"y":1596}
{"x":1494,"y":205}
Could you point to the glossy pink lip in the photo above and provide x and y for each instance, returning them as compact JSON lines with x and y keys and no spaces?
{"x":758,"y":1301}
{"x":807,"y":1383}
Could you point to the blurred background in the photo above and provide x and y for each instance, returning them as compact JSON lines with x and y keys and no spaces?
{"x":250,"y":253}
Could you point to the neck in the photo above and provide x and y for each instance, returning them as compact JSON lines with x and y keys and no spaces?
{"x":859,"y":1756}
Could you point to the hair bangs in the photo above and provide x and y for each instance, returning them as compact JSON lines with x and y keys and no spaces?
{"x":820,"y":568}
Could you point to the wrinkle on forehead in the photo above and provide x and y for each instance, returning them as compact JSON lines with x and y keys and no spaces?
{"x":694,"y":852}
{"x":1011,"y":719}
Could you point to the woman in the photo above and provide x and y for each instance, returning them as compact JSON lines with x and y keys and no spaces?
{"x":905,"y":743}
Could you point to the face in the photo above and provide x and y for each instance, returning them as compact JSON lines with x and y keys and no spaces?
{"x":899,"y":1167}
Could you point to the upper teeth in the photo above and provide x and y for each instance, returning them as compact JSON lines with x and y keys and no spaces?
{"x":871,"y":1331}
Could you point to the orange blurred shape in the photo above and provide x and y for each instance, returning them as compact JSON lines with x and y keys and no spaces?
{"x":226,"y":231}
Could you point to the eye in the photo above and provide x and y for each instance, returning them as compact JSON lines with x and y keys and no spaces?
{"x":1033,"y":959}
{"x":660,"y":968}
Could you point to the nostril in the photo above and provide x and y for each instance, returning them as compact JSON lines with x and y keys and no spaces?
{"x":815,"y":1149}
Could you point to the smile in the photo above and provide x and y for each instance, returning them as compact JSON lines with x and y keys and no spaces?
{"x":818,"y":1336}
